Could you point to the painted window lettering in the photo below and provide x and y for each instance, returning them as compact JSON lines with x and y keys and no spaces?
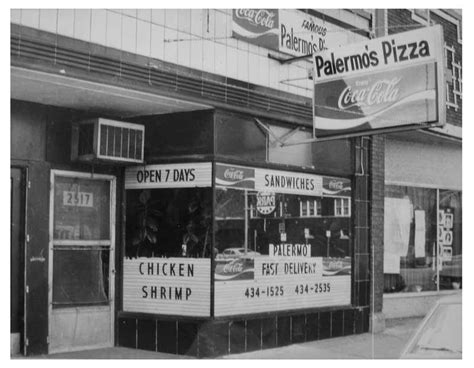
{"x":157,"y":176}
{"x":269,"y":291}
{"x":166,"y":293}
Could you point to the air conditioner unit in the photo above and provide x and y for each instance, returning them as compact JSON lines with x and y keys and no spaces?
{"x":104,"y":140}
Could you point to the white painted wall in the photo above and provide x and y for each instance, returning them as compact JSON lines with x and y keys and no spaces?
{"x":195,"y":38}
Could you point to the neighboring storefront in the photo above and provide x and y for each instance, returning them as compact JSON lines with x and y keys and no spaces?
{"x":422,"y":212}
{"x":423,"y":192}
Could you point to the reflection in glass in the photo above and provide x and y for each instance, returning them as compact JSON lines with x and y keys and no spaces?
{"x":173,"y":222}
{"x":410,"y":238}
{"x":80,"y":276}
{"x":296,"y":219}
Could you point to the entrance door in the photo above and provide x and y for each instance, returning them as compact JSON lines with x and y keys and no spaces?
{"x":17,"y":239}
{"x":81,"y":271}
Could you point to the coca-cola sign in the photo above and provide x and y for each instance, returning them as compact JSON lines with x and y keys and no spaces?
{"x":394,"y":82}
{"x":380,"y":92}
{"x":290,"y":31}
{"x":235,"y":176}
{"x":258,"y":17}
{"x":336,"y":187}
{"x":378,"y":101}
{"x":234,"y":269}
{"x":258,"y":26}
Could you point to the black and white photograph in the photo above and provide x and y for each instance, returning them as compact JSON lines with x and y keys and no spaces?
{"x":235,"y":183}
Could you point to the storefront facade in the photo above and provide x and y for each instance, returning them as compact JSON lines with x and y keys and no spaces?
{"x":205,"y":236}
{"x":423,"y":191}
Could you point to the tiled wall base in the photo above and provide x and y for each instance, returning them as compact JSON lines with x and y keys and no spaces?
{"x":210,"y":338}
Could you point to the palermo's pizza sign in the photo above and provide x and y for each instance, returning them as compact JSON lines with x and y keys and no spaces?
{"x":388,"y":83}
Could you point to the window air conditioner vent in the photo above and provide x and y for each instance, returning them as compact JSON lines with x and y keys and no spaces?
{"x":103,"y":140}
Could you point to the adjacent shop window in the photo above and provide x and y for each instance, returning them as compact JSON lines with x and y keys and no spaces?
{"x":310,"y":207}
{"x":81,"y":209}
{"x":169,"y":222}
{"x":80,"y":276}
{"x":410,"y":239}
{"x":342,"y":207}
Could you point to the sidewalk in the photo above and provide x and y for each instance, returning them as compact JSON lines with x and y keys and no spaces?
{"x":108,"y":353}
{"x":385,"y":345}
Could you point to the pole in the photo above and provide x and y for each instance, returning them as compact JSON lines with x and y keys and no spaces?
{"x":246,"y":217}
{"x":438,"y":259}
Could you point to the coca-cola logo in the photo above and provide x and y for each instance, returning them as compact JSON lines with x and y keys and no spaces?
{"x":234,"y":174}
{"x":381,"y":92}
{"x":233,"y":267}
{"x":257,"y":17}
{"x":336,"y":185}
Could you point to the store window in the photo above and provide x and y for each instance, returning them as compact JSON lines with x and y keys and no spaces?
{"x":169,"y":222}
{"x":321,"y":222}
{"x":282,"y":238}
{"x":167,"y":261}
{"x":413,"y":254}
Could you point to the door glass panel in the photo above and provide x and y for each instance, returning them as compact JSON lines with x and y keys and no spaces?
{"x":81,"y":209}
{"x":80,"y":276}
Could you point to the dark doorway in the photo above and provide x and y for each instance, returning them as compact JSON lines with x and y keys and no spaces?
{"x":17,"y":229}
